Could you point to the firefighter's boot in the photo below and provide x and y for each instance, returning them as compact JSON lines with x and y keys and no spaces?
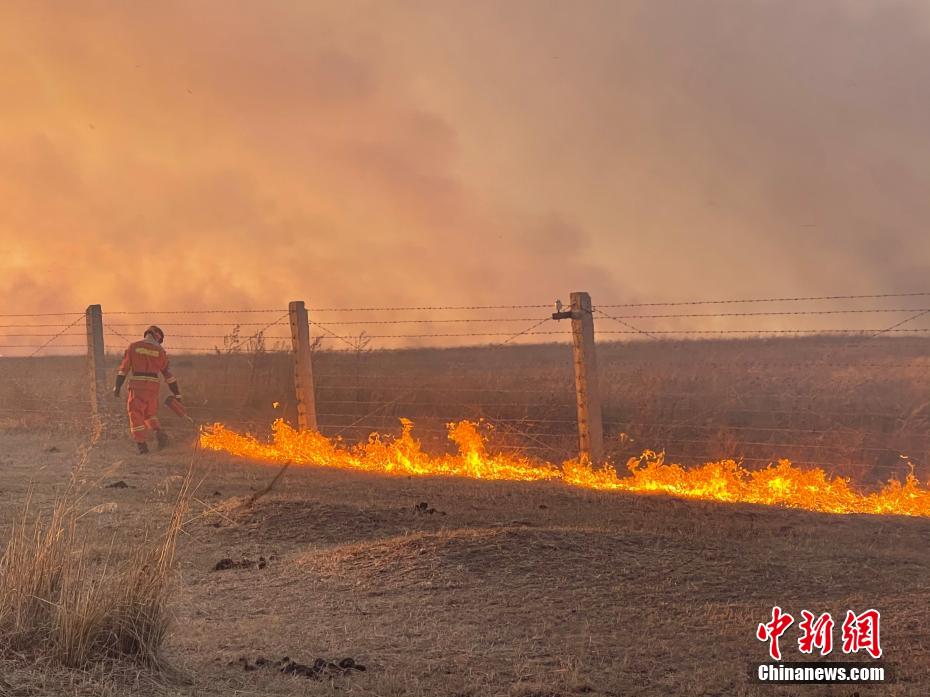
{"x":162,"y":439}
{"x":143,"y":448}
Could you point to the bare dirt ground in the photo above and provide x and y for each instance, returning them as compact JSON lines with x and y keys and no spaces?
{"x":514,"y":589}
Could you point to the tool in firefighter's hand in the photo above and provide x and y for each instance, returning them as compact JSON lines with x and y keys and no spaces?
{"x":177,"y":406}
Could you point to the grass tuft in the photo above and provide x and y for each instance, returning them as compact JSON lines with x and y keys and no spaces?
{"x":59,"y":601}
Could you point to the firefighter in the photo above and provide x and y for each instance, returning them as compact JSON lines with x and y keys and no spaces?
{"x":145,"y":360}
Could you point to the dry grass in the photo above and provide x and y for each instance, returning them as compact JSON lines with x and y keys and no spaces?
{"x":527,"y":588}
{"x":59,"y":600}
{"x":521,"y":589}
{"x":858,"y":406}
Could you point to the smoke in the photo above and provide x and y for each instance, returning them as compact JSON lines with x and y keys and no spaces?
{"x":179,"y":155}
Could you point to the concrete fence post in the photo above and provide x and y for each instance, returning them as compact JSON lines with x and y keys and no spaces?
{"x":587,"y":392}
{"x":96,"y":366}
{"x":303,"y":369}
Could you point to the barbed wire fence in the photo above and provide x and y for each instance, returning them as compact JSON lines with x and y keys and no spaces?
{"x":28,"y":398}
{"x":838,"y":381}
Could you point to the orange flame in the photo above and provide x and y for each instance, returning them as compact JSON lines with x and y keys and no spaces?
{"x":726,"y":481}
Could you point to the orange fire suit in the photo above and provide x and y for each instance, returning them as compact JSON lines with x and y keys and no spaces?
{"x":142,"y":363}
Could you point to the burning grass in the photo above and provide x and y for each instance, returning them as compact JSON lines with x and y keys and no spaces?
{"x":58,"y":601}
{"x":780,"y":484}
{"x":862,"y":407}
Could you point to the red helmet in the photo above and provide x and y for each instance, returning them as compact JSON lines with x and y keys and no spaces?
{"x":156,"y":333}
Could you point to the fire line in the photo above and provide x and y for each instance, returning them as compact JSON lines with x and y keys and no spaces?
{"x":781,"y":484}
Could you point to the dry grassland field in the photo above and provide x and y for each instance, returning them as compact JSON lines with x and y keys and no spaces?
{"x":444,"y":586}
{"x":523,"y":348}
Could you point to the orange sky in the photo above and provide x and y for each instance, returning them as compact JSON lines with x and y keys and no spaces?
{"x":217,"y":154}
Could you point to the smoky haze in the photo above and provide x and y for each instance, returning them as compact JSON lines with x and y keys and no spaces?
{"x":216,"y":154}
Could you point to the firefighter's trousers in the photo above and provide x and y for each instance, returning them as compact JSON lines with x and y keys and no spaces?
{"x":143,"y":412}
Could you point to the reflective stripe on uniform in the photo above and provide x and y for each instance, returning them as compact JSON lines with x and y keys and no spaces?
{"x":171,"y":380}
{"x":138,"y":428}
{"x":143,"y":378}
{"x":148,"y":352}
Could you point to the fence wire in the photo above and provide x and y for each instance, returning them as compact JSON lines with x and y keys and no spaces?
{"x":836,"y":381}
